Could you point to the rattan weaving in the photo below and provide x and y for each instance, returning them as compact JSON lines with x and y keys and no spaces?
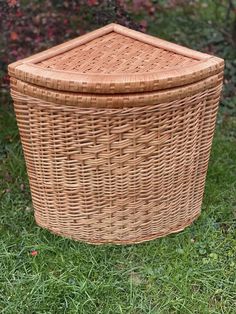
{"x":116,"y":128}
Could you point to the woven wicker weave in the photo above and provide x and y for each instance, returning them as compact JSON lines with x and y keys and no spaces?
{"x":116,"y":128}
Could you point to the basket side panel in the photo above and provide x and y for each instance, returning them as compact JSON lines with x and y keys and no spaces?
{"x":204,"y":143}
{"x":117,"y":175}
{"x":23,"y":114}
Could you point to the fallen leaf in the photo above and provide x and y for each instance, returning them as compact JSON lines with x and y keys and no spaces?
{"x":92,"y":2}
{"x":135,"y":279}
{"x":143,"y":25}
{"x":34,"y":253}
{"x":14,"y":36}
{"x":12,"y":3}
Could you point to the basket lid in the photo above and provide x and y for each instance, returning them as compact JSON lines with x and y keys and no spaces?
{"x":115,"y":59}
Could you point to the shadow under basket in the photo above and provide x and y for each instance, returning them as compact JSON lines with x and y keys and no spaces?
{"x":116,"y":128}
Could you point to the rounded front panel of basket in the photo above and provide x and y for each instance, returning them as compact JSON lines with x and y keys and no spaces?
{"x":117,"y":175}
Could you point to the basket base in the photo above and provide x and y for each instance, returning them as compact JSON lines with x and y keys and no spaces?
{"x":174,"y":229}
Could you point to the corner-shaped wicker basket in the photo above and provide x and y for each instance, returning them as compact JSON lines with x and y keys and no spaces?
{"x":116,"y":128}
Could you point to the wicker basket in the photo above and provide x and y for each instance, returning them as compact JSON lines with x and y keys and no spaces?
{"x":116,"y":128}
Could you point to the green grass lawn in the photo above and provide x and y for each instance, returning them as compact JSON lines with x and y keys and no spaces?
{"x":189,"y":272}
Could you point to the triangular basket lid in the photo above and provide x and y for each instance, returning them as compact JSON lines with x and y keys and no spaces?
{"x":115,"y":59}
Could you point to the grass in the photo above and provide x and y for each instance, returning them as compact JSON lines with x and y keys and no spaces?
{"x":189,"y":272}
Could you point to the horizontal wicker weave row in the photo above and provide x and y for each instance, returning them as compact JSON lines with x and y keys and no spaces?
{"x":118,"y":175}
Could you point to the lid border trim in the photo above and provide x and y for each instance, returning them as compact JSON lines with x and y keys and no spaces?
{"x":27,"y":69}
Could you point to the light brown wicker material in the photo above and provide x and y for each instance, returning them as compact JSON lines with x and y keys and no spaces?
{"x":116,"y":128}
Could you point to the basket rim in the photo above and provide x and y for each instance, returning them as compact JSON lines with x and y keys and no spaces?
{"x":106,"y":101}
{"x":27,"y":69}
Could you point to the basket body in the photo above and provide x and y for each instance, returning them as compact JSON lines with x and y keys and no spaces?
{"x":104,"y":172}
